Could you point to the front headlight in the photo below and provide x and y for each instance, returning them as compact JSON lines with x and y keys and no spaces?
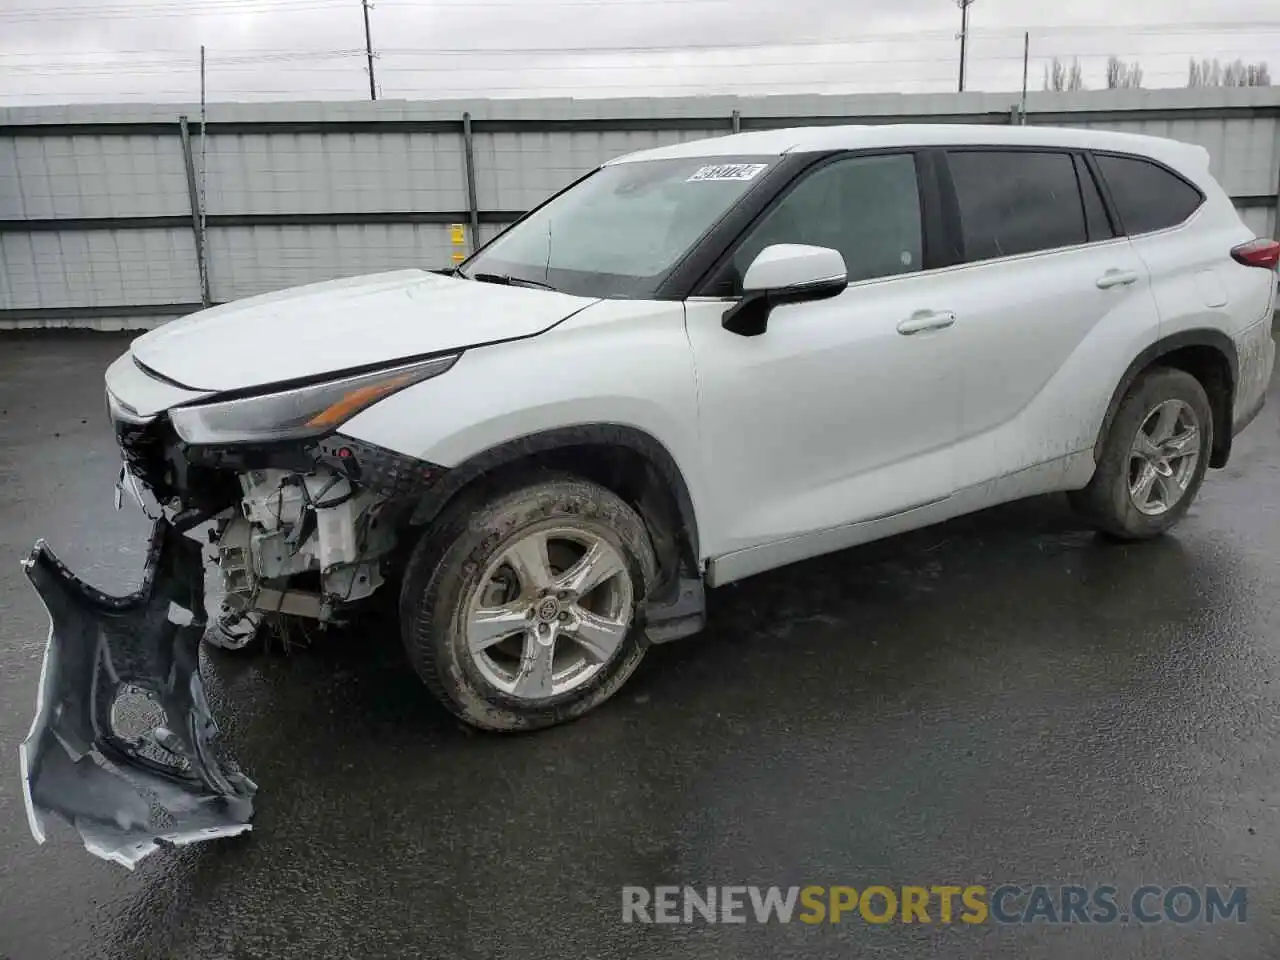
{"x":309,"y":411}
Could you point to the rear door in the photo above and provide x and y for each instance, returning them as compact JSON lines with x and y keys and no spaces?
{"x":1051,"y":305}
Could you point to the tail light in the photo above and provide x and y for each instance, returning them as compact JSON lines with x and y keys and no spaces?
{"x":1258,"y":253}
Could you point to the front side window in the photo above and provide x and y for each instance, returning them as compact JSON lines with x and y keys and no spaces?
{"x":1015,"y":202}
{"x":1147,"y":197}
{"x":868,"y":208}
{"x":621,"y":231}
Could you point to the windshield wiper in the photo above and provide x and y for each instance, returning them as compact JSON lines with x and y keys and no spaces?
{"x":507,"y":280}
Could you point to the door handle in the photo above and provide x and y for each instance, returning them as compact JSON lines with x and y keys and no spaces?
{"x":923,"y":320}
{"x":1116,"y":278}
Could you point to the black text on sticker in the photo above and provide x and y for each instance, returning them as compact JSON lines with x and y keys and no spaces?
{"x":728,"y":171}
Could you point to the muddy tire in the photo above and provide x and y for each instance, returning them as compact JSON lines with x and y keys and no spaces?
{"x":1153,"y":459}
{"x":519,"y":611}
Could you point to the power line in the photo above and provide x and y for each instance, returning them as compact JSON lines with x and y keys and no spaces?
{"x":158,"y":11}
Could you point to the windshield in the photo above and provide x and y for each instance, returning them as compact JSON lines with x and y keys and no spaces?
{"x":619,"y":232}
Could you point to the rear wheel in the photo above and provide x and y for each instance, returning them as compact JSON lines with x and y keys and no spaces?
{"x":1153,"y":458}
{"x":521,"y":613}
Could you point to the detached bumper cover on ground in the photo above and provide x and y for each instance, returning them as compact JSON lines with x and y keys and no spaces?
{"x":128,"y":796}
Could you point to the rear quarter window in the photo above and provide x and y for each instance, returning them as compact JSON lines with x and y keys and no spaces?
{"x":1146,"y":195}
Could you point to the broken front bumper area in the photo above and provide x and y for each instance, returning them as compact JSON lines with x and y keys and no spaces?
{"x":128,"y":795}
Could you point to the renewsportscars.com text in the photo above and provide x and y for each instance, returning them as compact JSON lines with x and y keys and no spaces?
{"x":878,"y":904}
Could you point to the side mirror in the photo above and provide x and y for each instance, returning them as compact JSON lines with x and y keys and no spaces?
{"x":784,"y":273}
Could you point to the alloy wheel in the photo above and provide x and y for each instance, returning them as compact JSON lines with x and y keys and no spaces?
{"x":1163,"y":457}
{"x":549,"y":613}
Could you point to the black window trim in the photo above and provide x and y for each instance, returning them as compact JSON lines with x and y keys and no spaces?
{"x":1084,"y":168}
{"x":720,"y":246}
{"x":1114,"y":211}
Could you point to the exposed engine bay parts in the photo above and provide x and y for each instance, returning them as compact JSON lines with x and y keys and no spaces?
{"x":304,"y":542}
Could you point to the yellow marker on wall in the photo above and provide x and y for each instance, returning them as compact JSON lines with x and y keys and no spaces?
{"x":458,"y":240}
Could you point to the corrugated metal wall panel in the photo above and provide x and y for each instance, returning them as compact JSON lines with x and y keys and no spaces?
{"x":253,"y":260}
{"x":91,"y":176}
{"x":1261,"y":222}
{"x":97,"y":268}
{"x":336,"y":172}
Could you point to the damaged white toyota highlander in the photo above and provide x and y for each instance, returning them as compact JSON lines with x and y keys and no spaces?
{"x":694,"y":364}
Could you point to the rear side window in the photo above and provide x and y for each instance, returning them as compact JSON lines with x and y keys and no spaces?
{"x":1015,"y":202}
{"x":1147,"y":197}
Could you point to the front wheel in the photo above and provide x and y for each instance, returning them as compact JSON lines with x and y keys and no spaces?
{"x":521,"y":613}
{"x":1153,"y":458}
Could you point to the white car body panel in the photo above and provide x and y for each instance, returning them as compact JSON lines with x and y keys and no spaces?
{"x":619,"y":362}
{"x":879,"y":409}
{"x":341,"y":325}
{"x":1040,"y":349}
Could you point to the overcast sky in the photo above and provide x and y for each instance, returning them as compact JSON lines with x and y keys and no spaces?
{"x":104,"y":50}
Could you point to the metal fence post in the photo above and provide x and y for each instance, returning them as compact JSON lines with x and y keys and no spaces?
{"x":193,"y":195}
{"x":473,"y":209}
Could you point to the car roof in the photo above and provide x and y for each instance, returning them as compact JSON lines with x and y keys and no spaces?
{"x":872,"y":136}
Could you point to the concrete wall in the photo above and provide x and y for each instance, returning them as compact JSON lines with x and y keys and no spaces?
{"x":96,"y":214}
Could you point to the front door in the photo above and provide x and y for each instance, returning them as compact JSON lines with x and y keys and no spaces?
{"x":844,"y":409}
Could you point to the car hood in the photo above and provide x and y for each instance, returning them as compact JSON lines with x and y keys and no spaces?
{"x":342,"y":324}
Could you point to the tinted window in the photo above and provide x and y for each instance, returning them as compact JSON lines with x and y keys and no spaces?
{"x":1147,"y":197}
{"x":1095,"y":213}
{"x":1016,"y":202}
{"x":868,"y":208}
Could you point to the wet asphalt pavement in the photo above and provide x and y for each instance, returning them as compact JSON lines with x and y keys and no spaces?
{"x":1005,"y":698}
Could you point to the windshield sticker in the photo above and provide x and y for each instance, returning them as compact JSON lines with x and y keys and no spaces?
{"x":728,"y":171}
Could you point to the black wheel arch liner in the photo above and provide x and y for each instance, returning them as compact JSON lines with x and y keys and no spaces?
{"x":1200,"y":337}
{"x":510,"y":452}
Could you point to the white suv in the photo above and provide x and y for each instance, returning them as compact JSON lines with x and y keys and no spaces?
{"x":692,"y":365}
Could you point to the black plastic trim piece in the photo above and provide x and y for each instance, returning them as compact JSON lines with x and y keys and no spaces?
{"x":588,"y":434}
{"x":1084,"y":169}
{"x":386,"y":471}
{"x":749,"y":316}
{"x":681,"y":614}
{"x":936,"y":252}
{"x":1104,"y":191}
